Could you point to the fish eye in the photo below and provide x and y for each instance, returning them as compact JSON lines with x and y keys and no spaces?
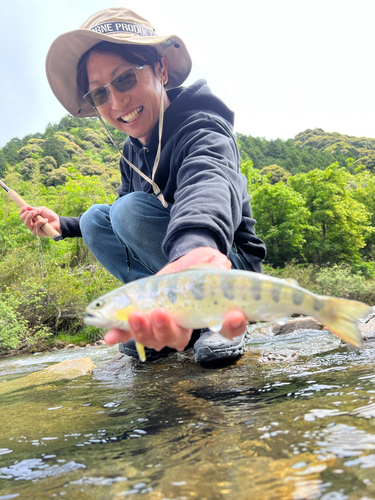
{"x":98,"y":304}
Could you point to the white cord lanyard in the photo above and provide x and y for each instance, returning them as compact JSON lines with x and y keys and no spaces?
{"x":155,"y":187}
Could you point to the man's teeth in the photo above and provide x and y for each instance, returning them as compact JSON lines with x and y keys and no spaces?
{"x":133,"y":115}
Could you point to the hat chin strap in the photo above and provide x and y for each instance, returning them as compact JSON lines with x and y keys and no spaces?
{"x":155,"y":187}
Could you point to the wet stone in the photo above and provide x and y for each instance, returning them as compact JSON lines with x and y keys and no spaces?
{"x":119,"y":367}
{"x":68,"y":369}
{"x":297,"y":324}
{"x":368,"y":330}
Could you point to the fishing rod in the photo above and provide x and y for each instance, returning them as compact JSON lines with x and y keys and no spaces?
{"x":22,"y":203}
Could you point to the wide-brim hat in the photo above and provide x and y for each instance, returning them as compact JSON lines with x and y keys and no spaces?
{"x":115,"y":25}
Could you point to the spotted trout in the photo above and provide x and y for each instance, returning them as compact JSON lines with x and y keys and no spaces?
{"x":200,"y":297}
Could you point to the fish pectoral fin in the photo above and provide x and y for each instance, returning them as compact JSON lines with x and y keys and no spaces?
{"x":215,"y":326}
{"x":141,"y":351}
{"x":123,"y":314}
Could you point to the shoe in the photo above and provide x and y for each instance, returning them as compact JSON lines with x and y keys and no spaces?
{"x":151,"y":355}
{"x":213,"y":347}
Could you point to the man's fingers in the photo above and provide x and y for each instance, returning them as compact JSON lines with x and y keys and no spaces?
{"x":115,"y":335}
{"x":235,"y":323}
{"x":158,"y":330}
{"x":167,"y":332}
{"x":201,"y":255}
{"x":141,"y":329}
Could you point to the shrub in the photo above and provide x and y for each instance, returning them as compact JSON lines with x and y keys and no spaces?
{"x":339,"y":281}
{"x":12,"y":327}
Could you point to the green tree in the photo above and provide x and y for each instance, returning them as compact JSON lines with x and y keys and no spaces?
{"x":27,"y":168}
{"x":30,"y":151}
{"x":275,"y":173}
{"x":10,"y":150}
{"x":252,"y":175}
{"x":80,"y":193}
{"x":282,"y":222}
{"x":3,"y":164}
{"x":362,"y":189}
{"x":55,"y":147}
{"x":341,"y":222}
{"x":47,"y":165}
{"x":57,"y":177}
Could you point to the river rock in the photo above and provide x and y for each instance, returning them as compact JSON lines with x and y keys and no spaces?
{"x":68,"y":369}
{"x":120,"y":367}
{"x":76,"y":367}
{"x":368,"y":330}
{"x":297,"y":324}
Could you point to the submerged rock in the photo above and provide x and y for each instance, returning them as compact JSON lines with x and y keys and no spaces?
{"x":75,"y":367}
{"x":297,"y":324}
{"x":68,"y":369}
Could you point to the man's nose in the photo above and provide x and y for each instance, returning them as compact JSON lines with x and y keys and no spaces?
{"x":117,"y":99}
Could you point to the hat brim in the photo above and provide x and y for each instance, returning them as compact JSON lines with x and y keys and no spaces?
{"x":66,"y":51}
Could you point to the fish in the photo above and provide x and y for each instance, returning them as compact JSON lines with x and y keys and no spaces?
{"x":200,"y":296}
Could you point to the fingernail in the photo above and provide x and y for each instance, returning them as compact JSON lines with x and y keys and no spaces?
{"x":135,"y":324}
{"x":236,"y":324}
{"x":159,"y":322}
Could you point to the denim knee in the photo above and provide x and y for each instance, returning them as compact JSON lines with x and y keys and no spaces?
{"x":137,"y":214}
{"x":93,"y":222}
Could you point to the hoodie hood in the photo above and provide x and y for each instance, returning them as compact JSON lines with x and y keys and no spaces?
{"x":187,"y":102}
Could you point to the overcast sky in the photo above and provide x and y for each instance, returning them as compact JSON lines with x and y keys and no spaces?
{"x":282,"y":65}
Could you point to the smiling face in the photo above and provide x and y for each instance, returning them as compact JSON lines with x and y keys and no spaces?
{"x":136,"y":111}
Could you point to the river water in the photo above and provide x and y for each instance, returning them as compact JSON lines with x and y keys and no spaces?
{"x":293,"y":419}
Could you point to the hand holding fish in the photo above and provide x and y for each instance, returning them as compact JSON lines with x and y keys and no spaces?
{"x":157,"y":329}
{"x":29,"y":214}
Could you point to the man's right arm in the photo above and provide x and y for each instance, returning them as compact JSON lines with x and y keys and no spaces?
{"x":28,"y":215}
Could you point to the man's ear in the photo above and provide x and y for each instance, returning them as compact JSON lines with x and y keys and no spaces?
{"x":164,"y":70}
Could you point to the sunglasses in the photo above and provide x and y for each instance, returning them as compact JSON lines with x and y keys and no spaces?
{"x":122,"y":82}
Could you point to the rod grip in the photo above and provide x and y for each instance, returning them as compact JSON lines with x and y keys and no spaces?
{"x":47,"y":228}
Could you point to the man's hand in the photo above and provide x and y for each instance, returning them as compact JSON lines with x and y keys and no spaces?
{"x":157,"y":329}
{"x":34,"y":223}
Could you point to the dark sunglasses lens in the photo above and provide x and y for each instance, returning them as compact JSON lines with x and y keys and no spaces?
{"x":98,"y":96}
{"x":125,"y":81}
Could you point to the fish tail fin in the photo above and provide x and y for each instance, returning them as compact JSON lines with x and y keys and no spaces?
{"x":343,"y":316}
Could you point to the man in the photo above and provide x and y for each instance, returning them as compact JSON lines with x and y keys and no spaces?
{"x":182,"y":199}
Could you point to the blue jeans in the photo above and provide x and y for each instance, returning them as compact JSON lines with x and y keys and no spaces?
{"x":127,"y":237}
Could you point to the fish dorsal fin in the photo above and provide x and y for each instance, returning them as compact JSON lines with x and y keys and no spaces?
{"x":206,"y":265}
{"x":291,"y":281}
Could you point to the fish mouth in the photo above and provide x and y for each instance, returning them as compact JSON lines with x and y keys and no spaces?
{"x":93,"y":320}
